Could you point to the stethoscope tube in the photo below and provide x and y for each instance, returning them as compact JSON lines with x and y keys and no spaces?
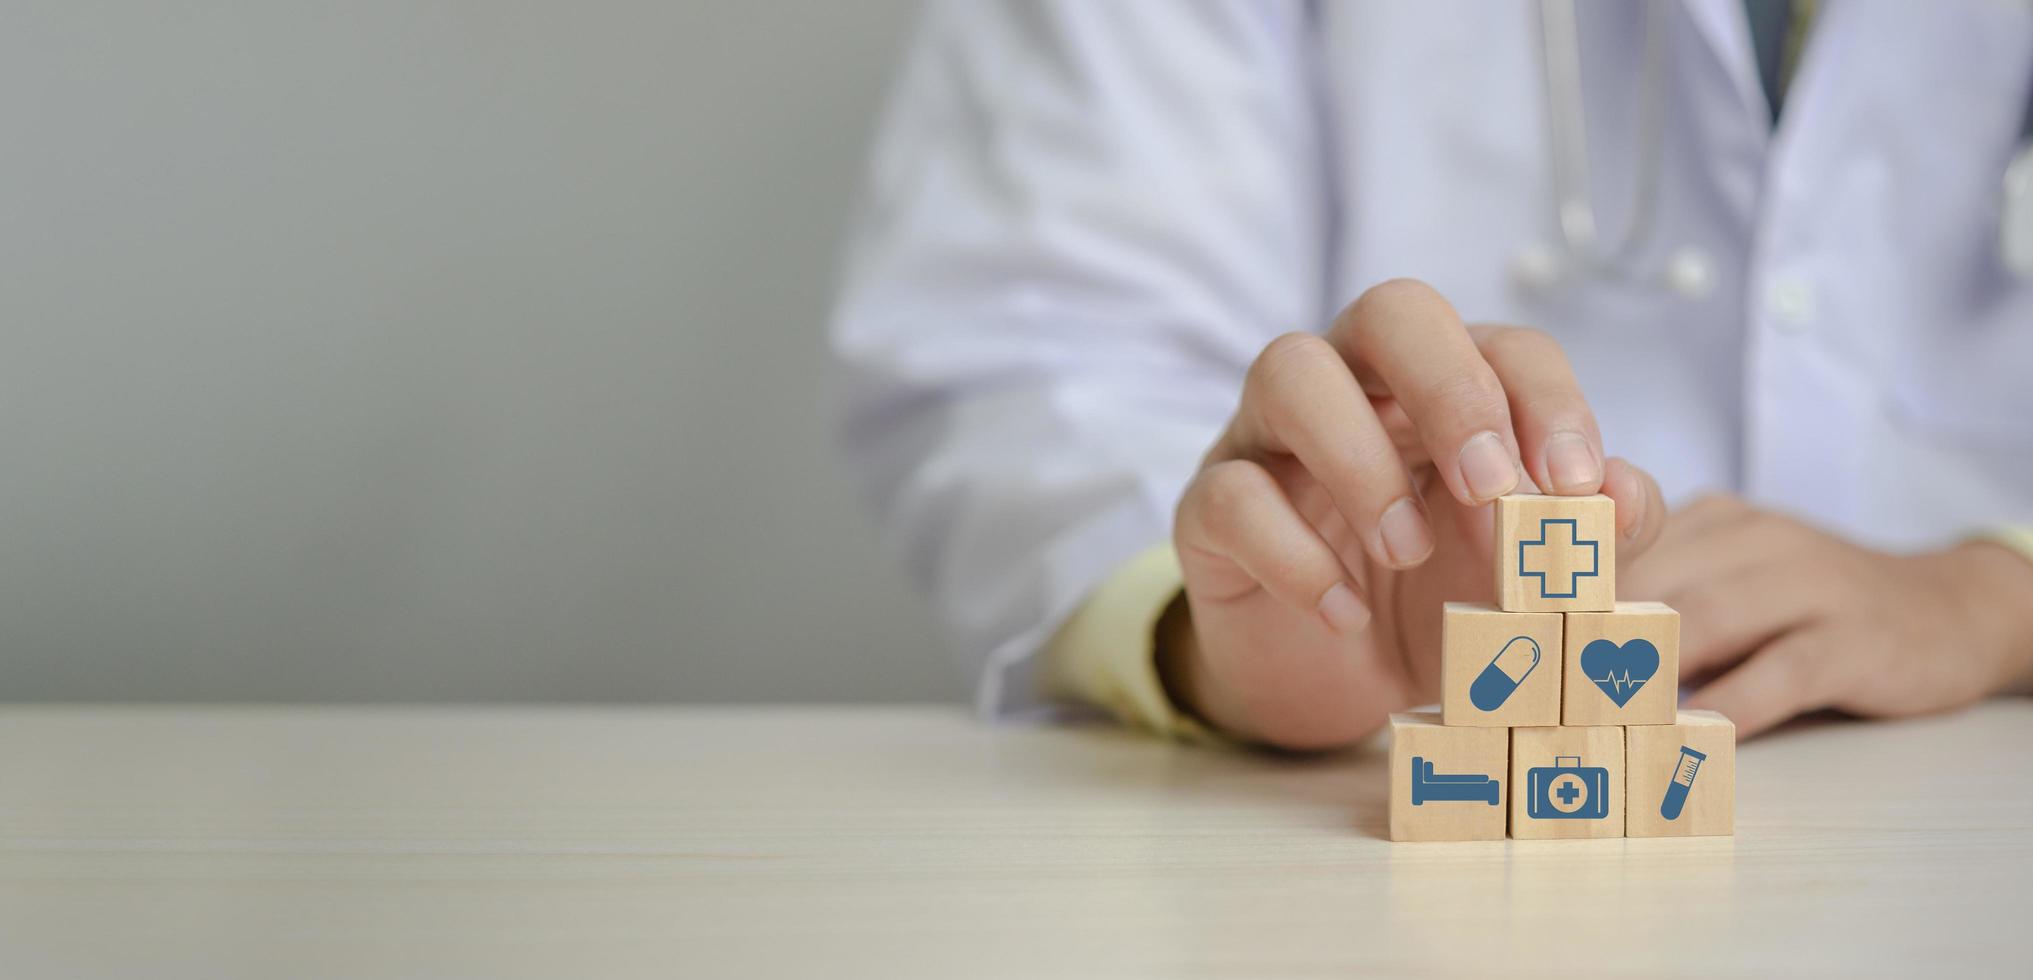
{"x":2015,"y":207}
{"x":1579,"y":255}
{"x":1567,"y":119}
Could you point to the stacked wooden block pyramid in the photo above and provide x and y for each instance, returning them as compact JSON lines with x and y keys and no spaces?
{"x":1559,"y":712}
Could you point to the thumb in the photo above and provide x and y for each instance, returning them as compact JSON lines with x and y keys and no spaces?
{"x":1641,"y":508}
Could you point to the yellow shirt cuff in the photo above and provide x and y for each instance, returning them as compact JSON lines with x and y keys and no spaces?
{"x":2019,"y":539}
{"x":1106,"y":653}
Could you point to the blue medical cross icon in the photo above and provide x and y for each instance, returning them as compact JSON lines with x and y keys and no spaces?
{"x":1568,"y":791}
{"x":1568,"y":548}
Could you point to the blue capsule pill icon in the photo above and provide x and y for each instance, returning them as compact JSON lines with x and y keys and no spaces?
{"x":1505,"y":672}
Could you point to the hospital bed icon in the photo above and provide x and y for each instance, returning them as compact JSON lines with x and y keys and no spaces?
{"x":1467,"y":788}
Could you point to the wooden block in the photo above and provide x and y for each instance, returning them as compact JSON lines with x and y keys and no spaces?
{"x":1446,"y":783}
{"x":1556,"y":554}
{"x":1683,"y":777}
{"x":1567,"y":782}
{"x":1622,"y":667}
{"x":1499,"y":669}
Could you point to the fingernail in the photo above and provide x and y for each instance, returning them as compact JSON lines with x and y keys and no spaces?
{"x":1404,"y":532}
{"x":1486,"y":467}
{"x":1571,"y":464}
{"x":1343,"y":611}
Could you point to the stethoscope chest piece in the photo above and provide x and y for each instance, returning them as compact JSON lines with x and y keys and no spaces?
{"x":1540,"y":268}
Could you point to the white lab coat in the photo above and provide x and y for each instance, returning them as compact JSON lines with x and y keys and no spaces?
{"x":1083,"y":219}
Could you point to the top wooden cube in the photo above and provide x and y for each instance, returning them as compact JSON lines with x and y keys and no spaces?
{"x":1556,"y":554}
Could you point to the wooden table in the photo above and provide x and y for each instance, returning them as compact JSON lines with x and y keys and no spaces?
{"x":913,"y":842}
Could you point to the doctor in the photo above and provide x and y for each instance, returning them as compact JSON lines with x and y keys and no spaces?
{"x":1185,"y":343}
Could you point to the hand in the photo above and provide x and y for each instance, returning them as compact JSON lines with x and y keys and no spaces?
{"x":1348,"y":498}
{"x":1782,"y":619}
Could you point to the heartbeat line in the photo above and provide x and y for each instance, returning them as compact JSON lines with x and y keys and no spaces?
{"x":1619,"y":681}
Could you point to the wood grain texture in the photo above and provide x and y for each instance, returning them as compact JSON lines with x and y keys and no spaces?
{"x":1544,"y":749}
{"x":1652,"y":756}
{"x":1583,"y":702}
{"x":1418,"y":739}
{"x":1575,"y":562}
{"x":1471,"y":634}
{"x":914,"y":842}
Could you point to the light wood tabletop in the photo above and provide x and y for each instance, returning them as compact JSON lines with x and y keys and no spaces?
{"x":914,"y":842}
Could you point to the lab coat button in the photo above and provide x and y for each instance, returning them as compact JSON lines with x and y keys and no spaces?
{"x":1791,"y":302}
{"x":1689,"y":272}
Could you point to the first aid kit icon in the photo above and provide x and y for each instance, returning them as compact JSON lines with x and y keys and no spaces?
{"x":1567,"y":790}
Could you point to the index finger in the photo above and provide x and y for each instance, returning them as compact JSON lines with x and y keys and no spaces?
{"x":1404,"y":339}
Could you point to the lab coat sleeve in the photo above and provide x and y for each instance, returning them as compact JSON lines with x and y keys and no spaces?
{"x":1080,"y":223}
{"x":1104,"y":654}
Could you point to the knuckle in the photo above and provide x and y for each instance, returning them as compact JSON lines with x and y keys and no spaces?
{"x":1550,"y":394}
{"x":1398,"y":294}
{"x":1520,"y":343}
{"x":1282,"y":374}
{"x":1796,"y":660}
{"x":1555,"y":410}
{"x":1389,"y":302}
{"x":1472,"y":397}
{"x":1226,"y":491}
{"x":1295,"y":352}
{"x":1379,"y":473}
{"x":1795,"y":671}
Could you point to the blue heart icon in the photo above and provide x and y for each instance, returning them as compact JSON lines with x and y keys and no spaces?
{"x":1620,"y":670}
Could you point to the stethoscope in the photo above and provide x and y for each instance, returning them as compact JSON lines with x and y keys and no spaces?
{"x":1688,"y":270}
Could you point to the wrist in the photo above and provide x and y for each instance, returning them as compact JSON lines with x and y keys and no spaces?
{"x":1182,"y":671}
{"x":1995,"y":585}
{"x":1322,"y":702}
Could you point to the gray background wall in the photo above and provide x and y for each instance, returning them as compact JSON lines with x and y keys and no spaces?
{"x":398,"y":349}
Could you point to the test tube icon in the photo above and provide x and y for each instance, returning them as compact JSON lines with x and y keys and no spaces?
{"x":1683,"y":781}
